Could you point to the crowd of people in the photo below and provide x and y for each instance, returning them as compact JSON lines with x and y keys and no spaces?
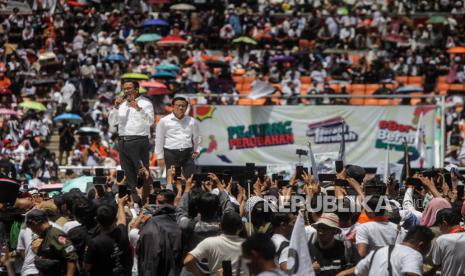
{"x":71,"y":57}
{"x":213,"y":226}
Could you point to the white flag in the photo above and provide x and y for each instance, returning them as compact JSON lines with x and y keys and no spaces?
{"x":299,"y":262}
{"x":420,"y":143}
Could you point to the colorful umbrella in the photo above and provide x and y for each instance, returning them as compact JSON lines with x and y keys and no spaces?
{"x":171,"y":41}
{"x":33,"y":105}
{"x":436,"y":19}
{"x":155,"y":22}
{"x":164,"y":74}
{"x":282,"y":59}
{"x":81,"y":183}
{"x":168,"y":67}
{"x":245,"y":40}
{"x":152,"y":84}
{"x":148,"y":38}
{"x":343,"y":11}
{"x":158,"y":91}
{"x":135,"y":76}
{"x":75,"y":4}
{"x":68,"y":117}
{"x":182,"y":7}
{"x":115,"y":57}
{"x":456,"y":50}
{"x":408,"y":89}
{"x":88,"y":130}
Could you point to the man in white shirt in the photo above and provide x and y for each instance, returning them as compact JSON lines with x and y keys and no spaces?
{"x":378,"y":232}
{"x":283,"y":223}
{"x":448,"y":252}
{"x":24,"y":248}
{"x":133,"y":116}
{"x":225,"y":247}
{"x":401,"y":259}
{"x":177,"y":139}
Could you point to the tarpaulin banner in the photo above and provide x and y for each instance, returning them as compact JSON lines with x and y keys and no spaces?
{"x":235,"y":135}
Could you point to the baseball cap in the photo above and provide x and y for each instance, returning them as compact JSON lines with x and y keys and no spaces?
{"x":328,"y":219}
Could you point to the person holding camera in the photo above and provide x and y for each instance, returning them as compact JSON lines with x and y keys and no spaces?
{"x":178,"y":139}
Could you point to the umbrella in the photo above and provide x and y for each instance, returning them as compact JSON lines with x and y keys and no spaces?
{"x":75,"y":4}
{"x":216,"y":63}
{"x":33,"y":105}
{"x":44,"y":82}
{"x":164,"y":74}
{"x":158,"y":91}
{"x":456,"y":50}
{"x":154,"y":22}
{"x":436,"y":19}
{"x":115,"y":57}
{"x":152,"y":84}
{"x":6,"y":111}
{"x":408,"y":89}
{"x":88,"y":130}
{"x":171,"y":41}
{"x":343,"y":11}
{"x":80,"y":183}
{"x":182,"y":7}
{"x":282,"y":59}
{"x":148,"y":38}
{"x":135,"y":76}
{"x":245,"y":40}
{"x":68,"y":117}
{"x":168,"y":67}
{"x":395,"y":38}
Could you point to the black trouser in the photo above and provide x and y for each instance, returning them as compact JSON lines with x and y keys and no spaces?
{"x":180,"y":157}
{"x":132,"y":150}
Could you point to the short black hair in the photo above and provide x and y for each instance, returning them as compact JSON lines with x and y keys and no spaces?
{"x":279,"y":218}
{"x":83,"y":210}
{"x":106,"y":215}
{"x":134,"y":83}
{"x":208,"y":206}
{"x":448,"y":215}
{"x":231,"y":223}
{"x":260,"y":243}
{"x":419,"y":233}
{"x":372,"y":203}
{"x":175,"y":99}
{"x":168,"y":195}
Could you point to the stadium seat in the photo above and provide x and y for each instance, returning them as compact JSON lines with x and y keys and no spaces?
{"x":457,"y":86}
{"x":443,"y":88}
{"x":415,"y":80}
{"x":357,"y":89}
{"x":369,"y":90}
{"x":305,"y":80}
{"x":402,"y":79}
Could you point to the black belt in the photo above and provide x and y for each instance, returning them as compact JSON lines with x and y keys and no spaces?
{"x":184,"y":149}
{"x":132,"y":137}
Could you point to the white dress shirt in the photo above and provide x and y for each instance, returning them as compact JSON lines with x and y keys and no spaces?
{"x":172,"y":133}
{"x":130,"y":121}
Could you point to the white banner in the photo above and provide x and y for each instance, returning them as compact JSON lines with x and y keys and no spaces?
{"x":235,"y":135}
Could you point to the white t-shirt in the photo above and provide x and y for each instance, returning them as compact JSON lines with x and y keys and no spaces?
{"x":403,"y":260}
{"x":278,"y":239}
{"x":218,"y":249}
{"x":25,"y":238}
{"x":275,"y":272}
{"x":449,"y":252}
{"x":378,"y":234}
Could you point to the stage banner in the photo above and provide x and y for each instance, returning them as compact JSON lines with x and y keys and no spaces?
{"x":235,"y":135}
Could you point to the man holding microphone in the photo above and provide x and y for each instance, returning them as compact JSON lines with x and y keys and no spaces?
{"x":132,"y":115}
{"x":177,"y":139}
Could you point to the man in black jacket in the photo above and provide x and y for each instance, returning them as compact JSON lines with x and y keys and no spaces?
{"x":159,"y":248}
